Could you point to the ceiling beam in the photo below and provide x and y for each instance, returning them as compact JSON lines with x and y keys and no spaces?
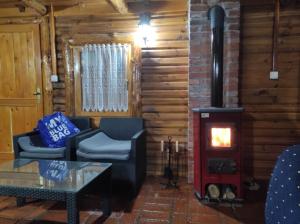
{"x":36,"y":5}
{"x":119,"y":5}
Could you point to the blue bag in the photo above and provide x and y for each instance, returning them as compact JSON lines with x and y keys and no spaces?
{"x":55,"y":128}
{"x":53,"y":170}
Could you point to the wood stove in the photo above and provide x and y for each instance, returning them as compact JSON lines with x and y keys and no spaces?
{"x":217,"y":151}
{"x":217,"y":130}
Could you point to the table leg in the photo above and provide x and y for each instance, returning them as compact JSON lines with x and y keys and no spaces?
{"x":20,"y":201}
{"x":72,"y":208}
{"x":105,"y":194}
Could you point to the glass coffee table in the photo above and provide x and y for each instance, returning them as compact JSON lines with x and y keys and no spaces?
{"x":57,"y":180}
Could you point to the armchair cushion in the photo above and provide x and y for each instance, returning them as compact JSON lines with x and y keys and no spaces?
{"x":100,"y":156}
{"x":27,"y":144}
{"x":34,"y":155}
{"x":100,"y":143}
{"x":32,"y":151}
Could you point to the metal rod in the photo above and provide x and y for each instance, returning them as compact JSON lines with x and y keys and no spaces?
{"x":275,"y":36}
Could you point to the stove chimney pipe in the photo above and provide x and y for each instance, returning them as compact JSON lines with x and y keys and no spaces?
{"x":216,"y":16}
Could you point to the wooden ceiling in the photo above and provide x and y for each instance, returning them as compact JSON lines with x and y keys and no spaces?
{"x":88,"y":7}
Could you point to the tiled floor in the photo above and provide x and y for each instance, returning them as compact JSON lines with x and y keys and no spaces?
{"x":153,"y":205}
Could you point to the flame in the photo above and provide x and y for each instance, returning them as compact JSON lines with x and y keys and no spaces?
{"x":221,"y":137}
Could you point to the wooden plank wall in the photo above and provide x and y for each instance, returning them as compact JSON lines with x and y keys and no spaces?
{"x":272,"y":107}
{"x":164,"y":90}
{"x":164,"y":73}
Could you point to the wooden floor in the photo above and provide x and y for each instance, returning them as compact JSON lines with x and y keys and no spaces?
{"x":152,"y":206}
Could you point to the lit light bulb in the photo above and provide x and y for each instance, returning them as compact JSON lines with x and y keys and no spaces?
{"x":145,"y":35}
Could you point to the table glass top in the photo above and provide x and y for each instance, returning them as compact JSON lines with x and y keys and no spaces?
{"x":50,"y":174}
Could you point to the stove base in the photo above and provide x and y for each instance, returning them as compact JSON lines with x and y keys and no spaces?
{"x":237,"y":202}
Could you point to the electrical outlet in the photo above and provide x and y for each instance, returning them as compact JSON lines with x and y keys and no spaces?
{"x":274,"y":75}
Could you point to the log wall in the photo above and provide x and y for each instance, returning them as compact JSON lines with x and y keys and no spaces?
{"x":272,"y":107}
{"x":164,"y":73}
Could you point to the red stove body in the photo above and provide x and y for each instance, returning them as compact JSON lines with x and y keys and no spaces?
{"x":217,"y":149}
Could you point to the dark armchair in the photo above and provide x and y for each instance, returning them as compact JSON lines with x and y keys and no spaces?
{"x":29,"y":145}
{"x":120,"y":141}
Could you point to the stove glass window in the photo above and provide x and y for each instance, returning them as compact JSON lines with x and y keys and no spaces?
{"x":221,"y":137}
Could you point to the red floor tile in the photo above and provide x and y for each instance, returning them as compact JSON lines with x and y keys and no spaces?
{"x":153,"y":205}
{"x":157,"y":207}
{"x":7,"y":221}
{"x":179,"y":219}
{"x":154,"y":215}
{"x":205,"y":219}
{"x":131,"y":218}
{"x":181,"y":206}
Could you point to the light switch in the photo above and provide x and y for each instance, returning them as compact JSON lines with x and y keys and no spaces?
{"x":274,"y":75}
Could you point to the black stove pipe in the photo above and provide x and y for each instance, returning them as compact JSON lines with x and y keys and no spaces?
{"x":216,"y":16}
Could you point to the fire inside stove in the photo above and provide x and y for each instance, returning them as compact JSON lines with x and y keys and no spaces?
{"x":221,"y":137}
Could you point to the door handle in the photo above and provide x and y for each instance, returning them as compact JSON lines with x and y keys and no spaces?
{"x":37,"y":92}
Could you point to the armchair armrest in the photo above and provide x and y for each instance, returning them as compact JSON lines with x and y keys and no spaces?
{"x":138,"y":135}
{"x":30,"y":133}
{"x":16,"y":147}
{"x":73,"y":136}
{"x":138,"y":144}
{"x":139,"y":155}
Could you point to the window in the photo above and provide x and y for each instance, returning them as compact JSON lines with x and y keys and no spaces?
{"x":102,"y":82}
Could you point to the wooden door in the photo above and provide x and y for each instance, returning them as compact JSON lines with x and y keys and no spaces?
{"x":20,"y":83}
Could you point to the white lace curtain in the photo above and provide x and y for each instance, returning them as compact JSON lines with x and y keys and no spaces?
{"x":104,"y":77}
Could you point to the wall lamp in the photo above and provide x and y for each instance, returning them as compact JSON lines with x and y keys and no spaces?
{"x":145,"y":35}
